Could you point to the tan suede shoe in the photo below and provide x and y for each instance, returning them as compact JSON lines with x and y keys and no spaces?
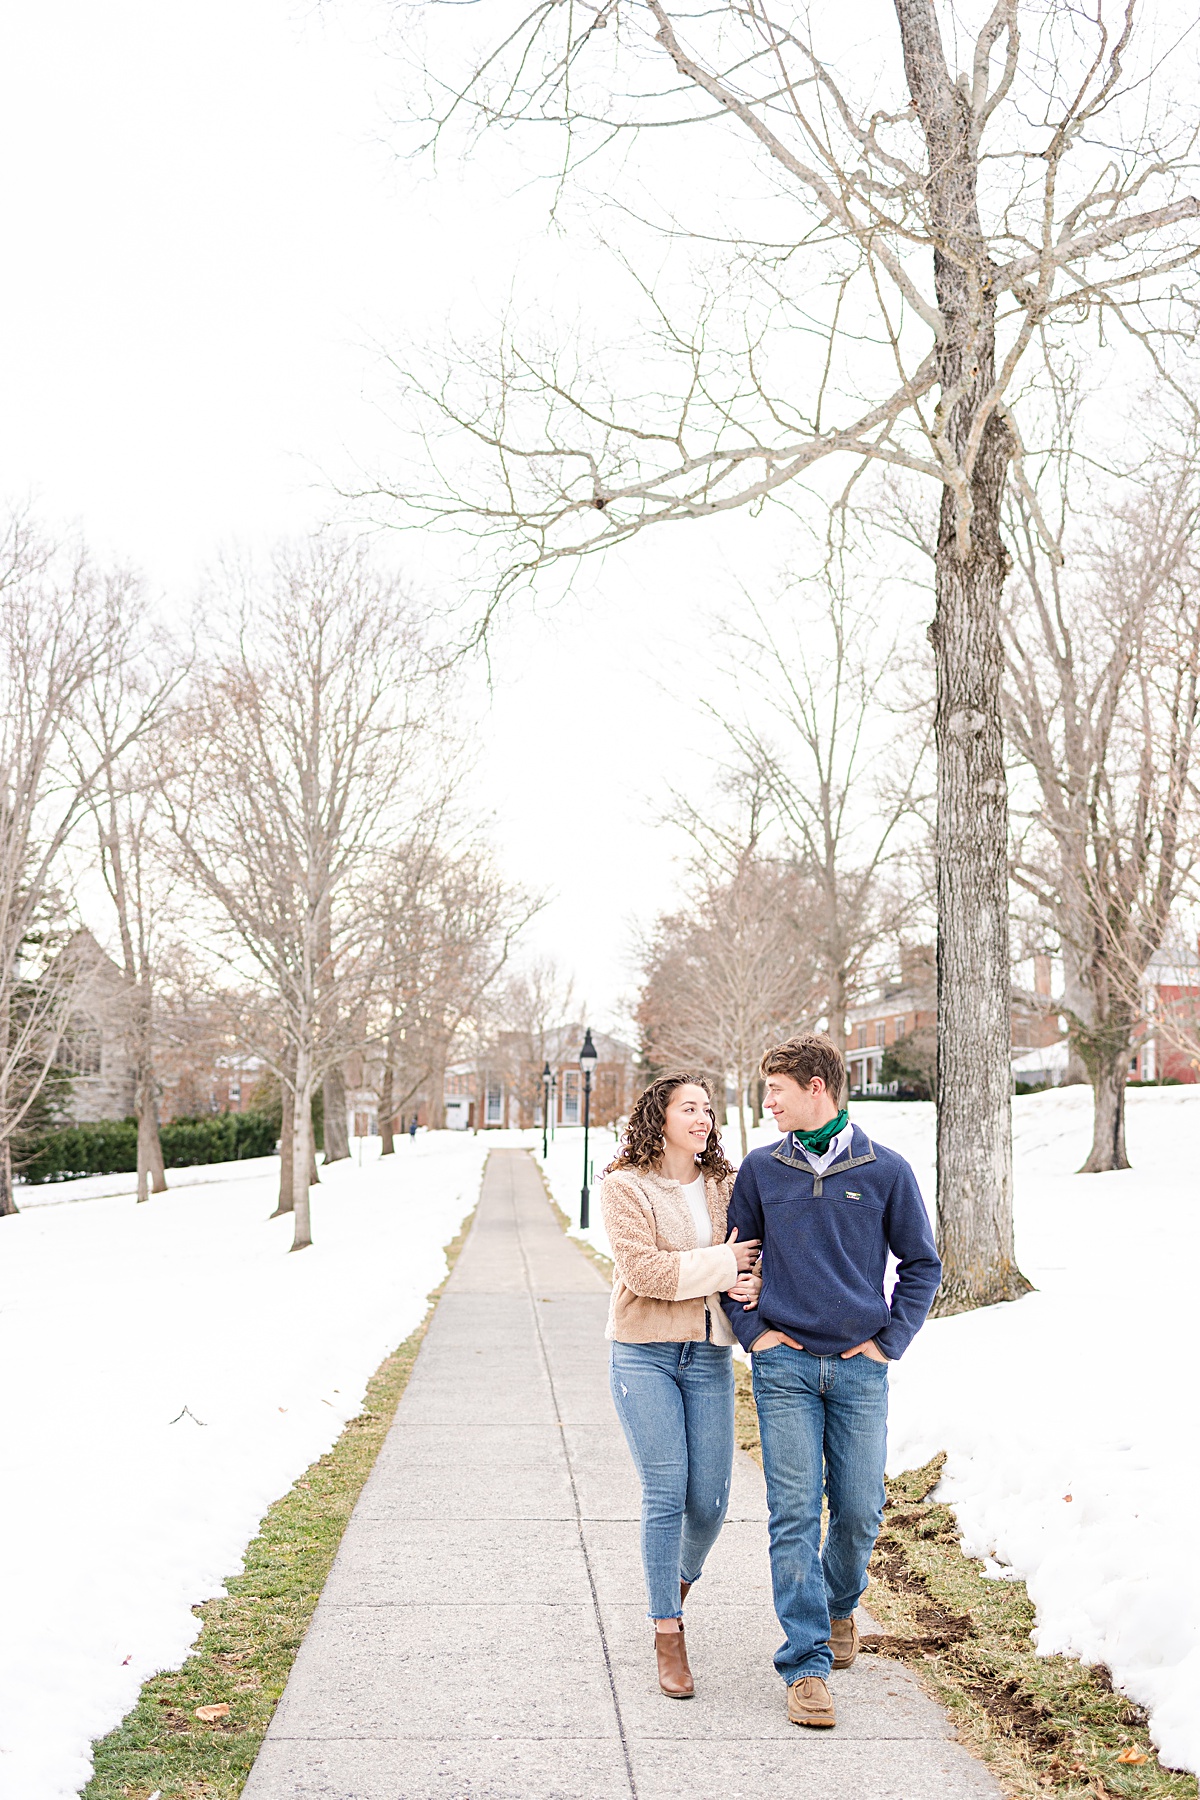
{"x":674,"y":1675}
{"x":843,"y":1641}
{"x":810,"y":1703}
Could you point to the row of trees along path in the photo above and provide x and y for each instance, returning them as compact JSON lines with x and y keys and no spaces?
{"x":281,"y":801}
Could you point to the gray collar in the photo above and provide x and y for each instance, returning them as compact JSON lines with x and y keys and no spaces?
{"x":782,"y":1154}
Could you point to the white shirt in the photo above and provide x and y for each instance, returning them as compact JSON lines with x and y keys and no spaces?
{"x":839,"y":1146}
{"x":693,"y":1193}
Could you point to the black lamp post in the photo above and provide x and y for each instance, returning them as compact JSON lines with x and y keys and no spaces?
{"x":546,"y":1080}
{"x":587,"y":1062}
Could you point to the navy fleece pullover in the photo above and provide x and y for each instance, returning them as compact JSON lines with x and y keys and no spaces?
{"x":825,"y":1242}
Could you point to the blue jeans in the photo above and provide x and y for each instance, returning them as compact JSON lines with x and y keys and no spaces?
{"x":823,"y":1426}
{"x":675,"y":1404}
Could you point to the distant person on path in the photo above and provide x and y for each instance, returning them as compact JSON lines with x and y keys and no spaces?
{"x":828,"y":1205}
{"x":412,"y":1129}
{"x":664,"y":1201}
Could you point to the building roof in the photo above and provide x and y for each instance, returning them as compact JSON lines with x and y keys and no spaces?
{"x":1031,"y":1062}
{"x":1174,"y":963}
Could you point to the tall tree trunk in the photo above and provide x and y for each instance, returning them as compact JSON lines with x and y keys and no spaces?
{"x":974,"y":1126}
{"x":286,"y":1148}
{"x":1078,"y":1004}
{"x":337,"y":1136}
{"x":1108,"y":1122}
{"x":1106,"y":1049}
{"x":302,"y":1150}
{"x":743,"y":1093}
{"x":151,"y":1175}
{"x":974,"y":1080}
{"x":838,"y":1006}
{"x":437,"y":1094}
{"x":387,"y":1089}
{"x":8,"y":1204}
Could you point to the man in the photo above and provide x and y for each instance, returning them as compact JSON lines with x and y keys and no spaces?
{"x":828,"y":1205}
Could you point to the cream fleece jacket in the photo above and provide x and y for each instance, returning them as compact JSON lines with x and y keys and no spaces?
{"x":663,"y":1284}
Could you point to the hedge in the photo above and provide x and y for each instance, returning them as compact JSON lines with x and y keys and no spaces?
{"x":110,"y":1146}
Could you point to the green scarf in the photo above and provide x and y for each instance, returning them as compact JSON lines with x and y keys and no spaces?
{"x":819,"y":1141}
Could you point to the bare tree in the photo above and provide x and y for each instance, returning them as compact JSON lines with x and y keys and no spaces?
{"x":730,"y":973}
{"x":296,"y":762}
{"x":124,"y":705}
{"x":474,"y":917}
{"x":63,"y":625}
{"x":826,"y":735}
{"x":1104,"y":707}
{"x":527,"y":1016}
{"x":946,"y":218}
{"x":405,"y":972}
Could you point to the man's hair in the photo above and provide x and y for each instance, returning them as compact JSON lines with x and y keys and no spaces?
{"x":804,"y":1057}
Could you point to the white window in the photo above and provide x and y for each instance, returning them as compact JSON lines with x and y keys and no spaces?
{"x":898,"y":1028}
{"x":495,"y":1104}
{"x":880,"y":1033}
{"x":570,"y":1097}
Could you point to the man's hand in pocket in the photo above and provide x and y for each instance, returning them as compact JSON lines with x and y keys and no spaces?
{"x":769,"y":1339}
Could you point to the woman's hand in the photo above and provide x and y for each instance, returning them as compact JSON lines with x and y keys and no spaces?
{"x":746,"y":1288}
{"x":746,"y":1254}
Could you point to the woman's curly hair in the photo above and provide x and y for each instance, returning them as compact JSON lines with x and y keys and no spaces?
{"x":642,"y":1144}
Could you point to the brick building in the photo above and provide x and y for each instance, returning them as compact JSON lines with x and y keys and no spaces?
{"x":1170,"y":1044}
{"x":506,"y":1087}
{"x":907,"y":1009}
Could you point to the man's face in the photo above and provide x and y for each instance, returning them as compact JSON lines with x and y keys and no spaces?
{"x":796,"y":1108}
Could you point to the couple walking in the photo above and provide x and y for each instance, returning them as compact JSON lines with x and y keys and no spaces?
{"x":790,"y":1259}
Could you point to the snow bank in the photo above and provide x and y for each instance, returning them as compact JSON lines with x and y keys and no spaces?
{"x":1069,"y":1418}
{"x":169,"y":1371}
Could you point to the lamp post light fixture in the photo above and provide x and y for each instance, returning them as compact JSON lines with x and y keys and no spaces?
{"x":587,"y":1062}
{"x":547,"y":1078}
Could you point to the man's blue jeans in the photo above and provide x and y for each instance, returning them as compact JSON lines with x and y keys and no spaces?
{"x":823,"y":1426}
{"x":675,"y":1404}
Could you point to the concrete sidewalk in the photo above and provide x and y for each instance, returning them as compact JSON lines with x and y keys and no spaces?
{"x":482,"y":1635}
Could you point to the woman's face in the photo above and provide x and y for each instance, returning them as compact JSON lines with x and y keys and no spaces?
{"x":688,"y":1118}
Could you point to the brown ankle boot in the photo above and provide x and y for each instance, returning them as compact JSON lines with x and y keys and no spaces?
{"x":674,"y":1676}
{"x":843,"y":1641}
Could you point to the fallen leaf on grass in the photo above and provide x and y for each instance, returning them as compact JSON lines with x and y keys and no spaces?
{"x":210,"y":1714}
{"x":1132,"y":1755}
{"x":1068,"y":1496}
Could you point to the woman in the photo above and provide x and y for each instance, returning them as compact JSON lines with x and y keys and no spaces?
{"x":664,"y":1202}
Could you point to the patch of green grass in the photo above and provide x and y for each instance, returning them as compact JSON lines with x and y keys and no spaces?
{"x":249,"y":1636}
{"x":1045,"y":1724}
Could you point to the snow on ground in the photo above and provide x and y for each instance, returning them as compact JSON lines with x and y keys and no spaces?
{"x":1069,"y":1417}
{"x":123,"y":1509}
{"x":98,"y":1187}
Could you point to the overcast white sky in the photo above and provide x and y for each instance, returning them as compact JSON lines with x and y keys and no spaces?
{"x":207,"y":242}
